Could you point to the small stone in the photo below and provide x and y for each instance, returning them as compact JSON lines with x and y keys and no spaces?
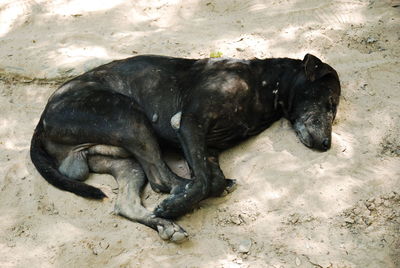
{"x":392,"y":195}
{"x":366,"y":213}
{"x":368,"y":221}
{"x":104,"y":245}
{"x":378,"y":201}
{"x":364,"y":86}
{"x":295,"y":218}
{"x":298,"y":262}
{"x":349,"y":220}
{"x":371,"y":40}
{"x":236,"y":220}
{"x":356,"y":211}
{"x":245,"y":246}
{"x":392,"y":215}
{"x":371,"y":206}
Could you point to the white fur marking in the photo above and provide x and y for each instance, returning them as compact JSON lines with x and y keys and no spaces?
{"x":176,"y":121}
{"x":155,"y":118}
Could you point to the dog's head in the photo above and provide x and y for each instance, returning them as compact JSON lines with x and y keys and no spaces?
{"x":314,"y":99}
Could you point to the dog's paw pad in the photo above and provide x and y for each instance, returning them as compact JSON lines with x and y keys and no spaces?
{"x":172,"y":232}
{"x":179,"y":237}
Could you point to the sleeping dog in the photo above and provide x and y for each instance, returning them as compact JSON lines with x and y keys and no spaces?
{"x":116,"y":119}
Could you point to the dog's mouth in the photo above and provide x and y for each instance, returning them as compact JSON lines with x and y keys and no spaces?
{"x":303,"y":134}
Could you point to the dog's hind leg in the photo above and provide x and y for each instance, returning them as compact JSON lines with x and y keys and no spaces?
{"x":131,"y":179}
{"x":102,"y":117}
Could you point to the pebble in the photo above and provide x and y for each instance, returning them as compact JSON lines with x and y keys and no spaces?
{"x":245,"y":246}
{"x":298,"y":262}
{"x":371,"y":40}
{"x":368,"y":221}
{"x":349,"y":220}
{"x":356,"y":211}
{"x":378,"y":201}
{"x":236,"y":220}
{"x":371,"y":206}
{"x":294,"y":218}
{"x":386,"y":203}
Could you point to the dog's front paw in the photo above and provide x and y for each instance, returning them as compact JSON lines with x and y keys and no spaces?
{"x":174,"y":206}
{"x":181,"y":187}
{"x":181,"y":202}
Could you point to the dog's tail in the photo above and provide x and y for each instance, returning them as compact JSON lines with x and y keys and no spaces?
{"x":47,"y":167}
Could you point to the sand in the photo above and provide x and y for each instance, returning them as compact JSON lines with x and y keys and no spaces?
{"x":293,"y":207}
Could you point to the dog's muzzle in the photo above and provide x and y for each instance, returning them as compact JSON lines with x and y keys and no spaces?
{"x":314,"y":133}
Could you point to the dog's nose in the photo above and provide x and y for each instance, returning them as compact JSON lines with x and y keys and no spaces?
{"x":326,"y":144}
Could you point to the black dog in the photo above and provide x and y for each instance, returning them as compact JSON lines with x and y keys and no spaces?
{"x":115,"y":118}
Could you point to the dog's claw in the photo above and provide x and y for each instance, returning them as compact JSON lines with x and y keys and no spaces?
{"x":161,"y":232}
{"x":223,"y":187}
{"x":179,"y":237}
{"x":231,"y":185}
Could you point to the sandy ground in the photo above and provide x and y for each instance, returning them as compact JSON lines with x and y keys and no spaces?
{"x":293,"y":207}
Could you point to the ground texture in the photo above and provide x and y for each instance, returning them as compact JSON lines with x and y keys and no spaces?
{"x":293,"y":207}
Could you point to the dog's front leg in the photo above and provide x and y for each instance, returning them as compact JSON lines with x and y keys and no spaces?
{"x":191,"y":134}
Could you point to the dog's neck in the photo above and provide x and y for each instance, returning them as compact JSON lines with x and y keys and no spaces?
{"x":278,"y":99}
{"x":279,"y":77}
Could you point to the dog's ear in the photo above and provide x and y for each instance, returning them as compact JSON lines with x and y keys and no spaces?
{"x":314,"y":68}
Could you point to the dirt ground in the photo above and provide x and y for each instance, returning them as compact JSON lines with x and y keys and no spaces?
{"x":293,"y":207}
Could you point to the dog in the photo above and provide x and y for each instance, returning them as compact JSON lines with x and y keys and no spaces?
{"x":117,"y":118}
